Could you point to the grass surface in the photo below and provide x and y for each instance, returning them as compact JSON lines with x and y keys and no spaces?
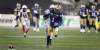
{"x":68,"y":39}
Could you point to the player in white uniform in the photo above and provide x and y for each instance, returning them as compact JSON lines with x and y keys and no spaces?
{"x":25,"y":19}
{"x":16,"y":12}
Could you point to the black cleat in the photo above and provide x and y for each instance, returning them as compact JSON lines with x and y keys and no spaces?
{"x":16,"y":25}
{"x":56,"y":35}
{"x":24,"y":36}
{"x":11,"y":47}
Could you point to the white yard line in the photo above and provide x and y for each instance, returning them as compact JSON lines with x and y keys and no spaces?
{"x":67,"y":36}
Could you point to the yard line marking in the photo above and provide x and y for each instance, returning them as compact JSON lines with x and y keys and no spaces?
{"x":67,"y":36}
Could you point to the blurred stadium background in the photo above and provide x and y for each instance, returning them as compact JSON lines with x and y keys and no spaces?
{"x":69,"y":38}
{"x":70,"y":6}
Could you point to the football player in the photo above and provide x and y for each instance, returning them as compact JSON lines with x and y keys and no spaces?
{"x":25,"y":17}
{"x":92,"y":17}
{"x":36,"y":10}
{"x":55,"y":20}
{"x":16,"y":12}
{"x":83,"y":16}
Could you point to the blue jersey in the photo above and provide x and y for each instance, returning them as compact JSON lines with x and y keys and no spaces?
{"x":55,"y":18}
{"x":35,"y":12}
{"x":93,"y":13}
{"x":83,"y":12}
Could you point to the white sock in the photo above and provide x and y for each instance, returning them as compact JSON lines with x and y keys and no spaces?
{"x":51,"y":37}
{"x":34,"y":29}
{"x":37,"y":29}
{"x":24,"y":33}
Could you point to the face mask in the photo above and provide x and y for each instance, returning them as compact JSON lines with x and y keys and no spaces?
{"x":24,"y":9}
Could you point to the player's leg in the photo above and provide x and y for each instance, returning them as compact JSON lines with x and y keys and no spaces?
{"x":14,"y":23}
{"x":55,"y":30}
{"x":27,"y":27}
{"x":23,"y":29}
{"x":84,"y":24}
{"x":49,"y":36}
{"x":81,"y":25}
{"x":23,"y":25}
{"x":34,"y":21}
{"x":38,"y":22}
{"x":17,"y":17}
{"x":90,"y":24}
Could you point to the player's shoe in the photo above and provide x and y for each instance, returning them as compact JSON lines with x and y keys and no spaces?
{"x":38,"y":29}
{"x":81,"y":30}
{"x":96,"y":31}
{"x":89,"y":31}
{"x":11,"y":47}
{"x":25,"y":35}
{"x":16,"y":25}
{"x":56,"y":35}
{"x":51,"y":37}
{"x":34,"y":29}
{"x":84,"y":30}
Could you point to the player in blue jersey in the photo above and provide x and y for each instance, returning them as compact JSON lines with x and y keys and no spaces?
{"x":54,"y":17}
{"x":92,"y":17}
{"x":36,"y":16}
{"x":56,"y":20}
{"x":47,"y":25}
{"x":83,"y":17}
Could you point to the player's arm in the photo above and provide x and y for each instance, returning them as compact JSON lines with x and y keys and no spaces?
{"x":81,"y":13}
{"x":45,"y":17}
{"x":89,"y":14}
{"x":29,"y":14}
{"x":15,"y":12}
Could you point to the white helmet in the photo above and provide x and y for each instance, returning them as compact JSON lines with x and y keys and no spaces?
{"x":24,"y":6}
{"x":82,"y":5}
{"x":18,"y":4}
{"x":52,"y":6}
{"x":36,"y":4}
{"x":93,"y":6}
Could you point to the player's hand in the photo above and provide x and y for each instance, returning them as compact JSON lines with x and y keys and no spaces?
{"x":30,"y":17}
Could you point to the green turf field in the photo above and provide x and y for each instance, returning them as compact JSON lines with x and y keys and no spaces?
{"x":68,"y":39}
